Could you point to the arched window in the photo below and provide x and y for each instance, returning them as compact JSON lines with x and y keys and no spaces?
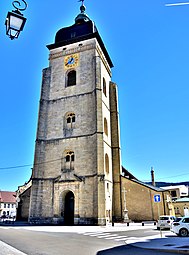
{"x":71,"y":78}
{"x":106,"y":163}
{"x":105,"y":126}
{"x":177,"y":211}
{"x":104,"y":86}
{"x":70,"y":120}
{"x":69,"y":160}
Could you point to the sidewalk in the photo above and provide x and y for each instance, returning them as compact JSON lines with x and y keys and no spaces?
{"x":9,"y":250}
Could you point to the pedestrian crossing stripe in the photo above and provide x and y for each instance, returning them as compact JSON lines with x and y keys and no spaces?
{"x":101,"y":234}
{"x":92,"y":233}
{"x":115,"y":237}
{"x":106,"y":236}
{"x":120,"y":239}
{"x":109,"y":238}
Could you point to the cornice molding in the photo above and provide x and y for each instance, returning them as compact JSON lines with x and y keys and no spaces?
{"x":64,"y":52}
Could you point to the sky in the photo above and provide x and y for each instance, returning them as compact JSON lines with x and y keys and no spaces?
{"x":148,"y":44}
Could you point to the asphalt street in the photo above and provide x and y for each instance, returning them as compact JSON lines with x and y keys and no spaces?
{"x":75,"y":242}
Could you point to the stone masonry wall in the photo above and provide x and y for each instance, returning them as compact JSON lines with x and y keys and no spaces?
{"x":51,"y":179}
{"x":140,"y":201}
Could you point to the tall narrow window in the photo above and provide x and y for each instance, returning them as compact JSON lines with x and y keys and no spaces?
{"x":107,"y":163}
{"x":104,"y":86}
{"x":69,"y":160}
{"x":71,"y":78}
{"x":70,"y":120}
{"x":105,"y":126}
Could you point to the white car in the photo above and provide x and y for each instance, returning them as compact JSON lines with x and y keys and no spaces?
{"x":181,"y":228}
{"x":165,"y":221}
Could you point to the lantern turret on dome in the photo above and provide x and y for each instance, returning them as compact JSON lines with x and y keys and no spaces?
{"x":82,"y":17}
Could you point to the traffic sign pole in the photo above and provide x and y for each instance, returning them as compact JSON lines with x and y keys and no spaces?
{"x":157,"y":199}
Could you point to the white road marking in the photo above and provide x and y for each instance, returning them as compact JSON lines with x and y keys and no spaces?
{"x":101,"y":234}
{"x":104,"y":236}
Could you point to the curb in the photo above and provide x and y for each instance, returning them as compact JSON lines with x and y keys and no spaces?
{"x":9,"y":250}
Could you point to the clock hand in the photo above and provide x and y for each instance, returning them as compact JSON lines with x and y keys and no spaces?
{"x":71,"y":60}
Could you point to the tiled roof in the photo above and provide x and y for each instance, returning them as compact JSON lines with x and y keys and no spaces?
{"x":7,"y":197}
{"x":148,"y":185}
{"x":127,"y":174}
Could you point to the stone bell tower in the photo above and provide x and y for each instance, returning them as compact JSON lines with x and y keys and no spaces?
{"x":76,"y":173}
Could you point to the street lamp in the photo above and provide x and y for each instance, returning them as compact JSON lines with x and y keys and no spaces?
{"x":15,"y":20}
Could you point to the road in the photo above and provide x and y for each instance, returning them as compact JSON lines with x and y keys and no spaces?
{"x":75,"y":240}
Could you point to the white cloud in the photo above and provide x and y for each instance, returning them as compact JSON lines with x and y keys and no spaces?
{"x":177,"y":4}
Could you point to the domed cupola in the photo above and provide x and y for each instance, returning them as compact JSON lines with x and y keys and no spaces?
{"x":83,"y":29}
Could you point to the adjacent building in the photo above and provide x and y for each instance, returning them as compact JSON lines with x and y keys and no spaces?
{"x":23,"y":201}
{"x":181,"y":206}
{"x":7,"y":204}
{"x":140,"y":201}
{"x":177,"y":191}
{"x":180,"y":197}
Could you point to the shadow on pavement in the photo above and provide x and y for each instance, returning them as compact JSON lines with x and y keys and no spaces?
{"x":114,"y":251}
{"x":165,"y":245}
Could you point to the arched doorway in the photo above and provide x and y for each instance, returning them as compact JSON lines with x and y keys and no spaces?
{"x":69,"y":208}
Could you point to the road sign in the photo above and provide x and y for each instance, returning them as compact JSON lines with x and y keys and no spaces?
{"x":157,"y":198}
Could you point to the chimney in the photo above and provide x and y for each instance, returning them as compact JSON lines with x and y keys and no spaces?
{"x":152,"y":176}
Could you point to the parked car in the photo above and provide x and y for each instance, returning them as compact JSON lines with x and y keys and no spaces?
{"x":7,"y":219}
{"x":181,"y":228}
{"x":165,"y":221}
{"x":178,"y":219}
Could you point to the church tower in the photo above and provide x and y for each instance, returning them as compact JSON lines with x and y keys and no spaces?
{"x":76,"y":172}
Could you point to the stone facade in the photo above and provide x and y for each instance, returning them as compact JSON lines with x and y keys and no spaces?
{"x":140,"y":200}
{"x":181,"y":207}
{"x":87,"y":179}
{"x":116,"y":153}
{"x":23,"y":201}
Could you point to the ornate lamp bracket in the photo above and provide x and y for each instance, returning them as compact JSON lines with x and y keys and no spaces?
{"x":18,"y":9}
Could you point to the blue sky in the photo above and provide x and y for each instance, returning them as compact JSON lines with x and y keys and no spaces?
{"x":148,"y":44}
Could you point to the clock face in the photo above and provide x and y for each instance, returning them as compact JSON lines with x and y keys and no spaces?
{"x":71,"y":61}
